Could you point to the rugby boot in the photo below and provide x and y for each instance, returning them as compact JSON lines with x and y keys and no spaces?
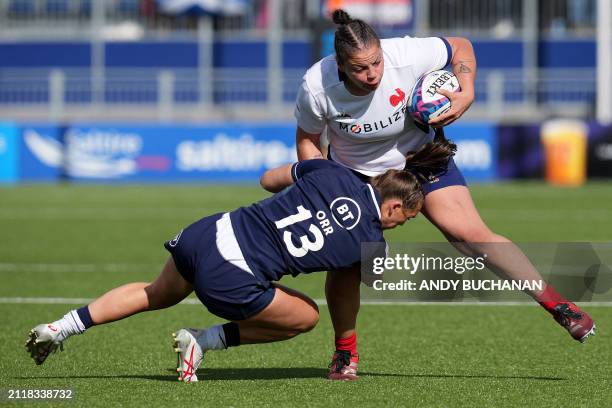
{"x":343,"y":366}
{"x":189,"y":354}
{"x":578,"y":323}
{"x":43,"y":340}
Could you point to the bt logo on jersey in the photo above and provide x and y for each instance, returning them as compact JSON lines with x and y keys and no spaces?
{"x":346,"y":212}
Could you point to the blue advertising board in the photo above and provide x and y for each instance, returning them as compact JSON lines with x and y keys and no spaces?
{"x":9,"y":153}
{"x":176,"y":153}
{"x":166,"y":153}
{"x":41,"y":153}
{"x":476,"y":150}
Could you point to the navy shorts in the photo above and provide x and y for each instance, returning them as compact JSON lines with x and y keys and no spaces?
{"x":450,"y":177}
{"x":227,"y":288}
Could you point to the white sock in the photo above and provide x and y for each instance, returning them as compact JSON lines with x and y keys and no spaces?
{"x":69,"y":325}
{"x":212,"y":338}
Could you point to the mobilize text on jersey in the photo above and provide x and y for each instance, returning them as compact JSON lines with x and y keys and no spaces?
{"x":376,"y":126}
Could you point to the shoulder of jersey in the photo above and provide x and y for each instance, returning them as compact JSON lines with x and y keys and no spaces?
{"x":322,"y":75}
{"x":339,"y":175}
{"x":397,"y":51}
{"x":336,"y":170}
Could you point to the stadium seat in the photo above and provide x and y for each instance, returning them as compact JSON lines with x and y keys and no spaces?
{"x":128,"y":7}
{"x":21,"y":8}
{"x":58,"y":7}
{"x":85,"y":8}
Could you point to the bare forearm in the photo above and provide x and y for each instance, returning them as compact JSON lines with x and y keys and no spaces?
{"x":276,"y":179}
{"x":308,"y":145}
{"x":306,"y":150}
{"x":464,"y":68}
{"x":464,"y":63}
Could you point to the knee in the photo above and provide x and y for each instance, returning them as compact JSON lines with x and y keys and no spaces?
{"x":160,"y":298}
{"x":154,"y":297}
{"x":474,"y":234}
{"x":312,"y":322}
{"x":308,"y":321}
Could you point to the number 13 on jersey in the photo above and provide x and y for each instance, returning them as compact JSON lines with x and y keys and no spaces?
{"x":307,"y":245}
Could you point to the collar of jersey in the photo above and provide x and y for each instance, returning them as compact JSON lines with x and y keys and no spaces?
{"x":375,"y":198}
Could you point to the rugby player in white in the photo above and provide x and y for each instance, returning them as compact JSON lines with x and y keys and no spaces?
{"x":359,"y":96}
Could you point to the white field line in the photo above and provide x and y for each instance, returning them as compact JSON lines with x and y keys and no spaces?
{"x":103,"y":213}
{"x":139,"y":213}
{"x":320,"y":302}
{"x":85,"y":267}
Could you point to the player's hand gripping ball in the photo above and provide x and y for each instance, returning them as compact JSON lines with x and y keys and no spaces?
{"x":425,"y":101}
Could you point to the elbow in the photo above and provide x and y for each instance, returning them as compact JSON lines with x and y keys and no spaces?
{"x":460,"y":43}
{"x":267,"y":183}
{"x":264,"y":182}
{"x":466,"y":44}
{"x":461,"y":40}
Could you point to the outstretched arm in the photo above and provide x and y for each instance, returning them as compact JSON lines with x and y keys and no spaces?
{"x":307,"y":148}
{"x":464,"y":68}
{"x":276,"y":179}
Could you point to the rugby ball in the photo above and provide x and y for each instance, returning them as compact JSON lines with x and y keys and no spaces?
{"x":425,"y":101}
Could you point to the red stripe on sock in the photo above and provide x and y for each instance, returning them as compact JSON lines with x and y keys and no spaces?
{"x":347,"y":343}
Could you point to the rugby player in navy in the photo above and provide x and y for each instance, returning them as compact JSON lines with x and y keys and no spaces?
{"x":233,"y":260}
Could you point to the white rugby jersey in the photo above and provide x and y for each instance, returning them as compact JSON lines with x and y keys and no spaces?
{"x":371,"y":133}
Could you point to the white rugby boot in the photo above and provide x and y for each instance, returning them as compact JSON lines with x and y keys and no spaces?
{"x":189,"y":354}
{"x":42,"y":341}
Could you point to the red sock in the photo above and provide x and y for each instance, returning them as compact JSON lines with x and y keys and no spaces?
{"x":550,"y":298}
{"x":347,"y":343}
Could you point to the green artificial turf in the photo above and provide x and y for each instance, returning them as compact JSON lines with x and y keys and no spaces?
{"x":67,"y":242}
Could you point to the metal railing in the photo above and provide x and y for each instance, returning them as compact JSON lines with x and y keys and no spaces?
{"x":207,"y":92}
{"x":164,"y":94}
{"x":133,"y":19}
{"x":507,"y":18}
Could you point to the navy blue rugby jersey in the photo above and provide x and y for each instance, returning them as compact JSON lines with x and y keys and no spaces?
{"x":316,"y":224}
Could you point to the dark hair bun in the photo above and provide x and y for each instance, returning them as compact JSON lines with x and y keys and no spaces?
{"x":341,"y":17}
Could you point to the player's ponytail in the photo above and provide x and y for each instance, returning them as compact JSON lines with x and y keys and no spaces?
{"x":431,"y":159}
{"x":352,"y":35}
{"x":341,"y":17}
{"x":399,"y":184}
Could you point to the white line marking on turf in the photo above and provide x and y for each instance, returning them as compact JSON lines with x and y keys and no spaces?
{"x":89,"y":267}
{"x":173,"y":213}
{"x":104,"y":213}
{"x":320,"y":302}
{"x":43,"y":301}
